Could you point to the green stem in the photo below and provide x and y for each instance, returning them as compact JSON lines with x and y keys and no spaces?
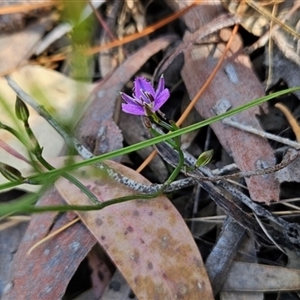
{"x":175,"y":143}
{"x":177,"y":170}
{"x":38,"y":150}
{"x":73,"y":180}
{"x":98,"y":206}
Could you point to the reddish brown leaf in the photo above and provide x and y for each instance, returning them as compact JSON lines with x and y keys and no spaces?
{"x":235,"y":82}
{"x":47,"y":270}
{"x":147,"y":239}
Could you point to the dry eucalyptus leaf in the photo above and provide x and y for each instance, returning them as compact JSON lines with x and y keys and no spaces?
{"x":147,"y":239}
{"x":236,"y":84}
{"x":9,"y":239}
{"x":37,"y":273}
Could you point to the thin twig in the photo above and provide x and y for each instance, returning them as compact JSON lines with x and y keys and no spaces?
{"x":261,"y":133}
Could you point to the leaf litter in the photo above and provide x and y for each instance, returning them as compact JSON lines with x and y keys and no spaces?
{"x":155,"y":252}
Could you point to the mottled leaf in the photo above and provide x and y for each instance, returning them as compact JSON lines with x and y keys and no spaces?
{"x":147,"y":239}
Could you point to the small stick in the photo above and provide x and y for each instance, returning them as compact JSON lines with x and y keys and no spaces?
{"x":261,"y":133}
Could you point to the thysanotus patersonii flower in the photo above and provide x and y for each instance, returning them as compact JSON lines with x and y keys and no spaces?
{"x":145,"y":100}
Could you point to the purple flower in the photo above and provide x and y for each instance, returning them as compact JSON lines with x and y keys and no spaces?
{"x":145,"y":100}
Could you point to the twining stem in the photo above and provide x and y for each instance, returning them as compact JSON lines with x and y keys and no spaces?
{"x":71,"y":178}
{"x":98,"y":206}
{"x":37,"y":150}
{"x":175,"y":143}
{"x":38,"y":153}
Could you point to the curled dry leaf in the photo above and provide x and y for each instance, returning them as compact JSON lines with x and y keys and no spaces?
{"x":147,"y":239}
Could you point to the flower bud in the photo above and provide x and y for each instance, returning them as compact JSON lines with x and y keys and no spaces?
{"x":204,"y":158}
{"x":21,"y":110}
{"x":10,"y":173}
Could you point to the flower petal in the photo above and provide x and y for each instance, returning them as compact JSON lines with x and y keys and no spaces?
{"x":133,"y":109}
{"x":142,"y":84}
{"x":128,"y":99}
{"x":161,"y":86}
{"x":161,"y":99}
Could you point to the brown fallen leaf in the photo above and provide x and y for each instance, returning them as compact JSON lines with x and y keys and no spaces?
{"x":10,"y":237}
{"x":235,"y":82}
{"x":47,"y":271}
{"x":147,"y":239}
